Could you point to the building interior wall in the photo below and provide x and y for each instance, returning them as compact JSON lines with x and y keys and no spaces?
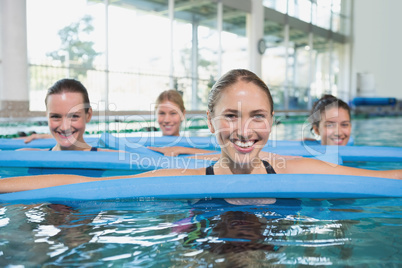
{"x":377,"y":42}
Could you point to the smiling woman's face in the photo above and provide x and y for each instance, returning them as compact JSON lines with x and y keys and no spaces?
{"x":67,"y":119}
{"x":241,"y":121}
{"x":169,"y":118}
{"x":335,"y":127}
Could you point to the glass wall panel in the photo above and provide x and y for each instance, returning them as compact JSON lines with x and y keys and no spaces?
{"x":207,"y":60}
{"x":337,"y":56}
{"x":340,"y":66}
{"x":183,"y":57}
{"x":64,"y":44}
{"x":301,"y":81}
{"x":299,"y":69}
{"x":336,"y":22}
{"x":328,"y":60}
{"x":292,"y":75}
{"x":274,"y":61}
{"x":322,"y":62}
{"x":322,"y":14}
{"x":342,"y":15}
{"x":234,"y":40}
{"x":138,"y":61}
{"x":278,"y":5}
{"x":195,"y":51}
{"x":300,"y":9}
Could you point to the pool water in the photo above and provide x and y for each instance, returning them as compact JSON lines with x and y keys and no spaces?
{"x":213,"y":233}
{"x":348,"y":232}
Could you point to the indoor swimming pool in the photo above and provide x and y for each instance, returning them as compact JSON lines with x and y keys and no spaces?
{"x":212,"y":232}
{"x":149,"y":233}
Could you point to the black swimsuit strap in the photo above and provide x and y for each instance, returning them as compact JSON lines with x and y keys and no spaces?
{"x":210,"y":170}
{"x":268,"y":167}
{"x":270,"y":170}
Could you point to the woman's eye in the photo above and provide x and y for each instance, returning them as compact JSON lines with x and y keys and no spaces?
{"x":345,"y":125}
{"x":231,"y":116}
{"x":73,"y":117}
{"x":55,"y":116}
{"x":259,"y":116}
{"x":330,"y":125}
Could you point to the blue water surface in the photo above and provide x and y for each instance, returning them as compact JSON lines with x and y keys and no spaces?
{"x":182,"y":233}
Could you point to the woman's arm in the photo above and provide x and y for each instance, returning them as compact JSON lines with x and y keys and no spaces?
{"x":36,"y":137}
{"x":263,"y":155}
{"x":314,"y":166}
{"x":31,"y":149}
{"x":110,"y":150}
{"x":16,"y":184}
{"x":179,"y":150}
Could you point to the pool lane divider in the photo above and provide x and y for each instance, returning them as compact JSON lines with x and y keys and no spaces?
{"x":219,"y":186}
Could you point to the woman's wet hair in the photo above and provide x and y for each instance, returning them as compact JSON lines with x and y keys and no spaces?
{"x":326,"y":102}
{"x":69,"y":85}
{"x":172,"y":96}
{"x":231,"y":78}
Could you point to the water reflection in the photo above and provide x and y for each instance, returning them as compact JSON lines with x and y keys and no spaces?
{"x":281,"y":233}
{"x":34,"y":233}
{"x":241,"y":239}
{"x":207,"y":233}
{"x":238,"y":235}
{"x":74,"y":228}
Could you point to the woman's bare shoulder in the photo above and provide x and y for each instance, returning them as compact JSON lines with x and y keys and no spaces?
{"x":32,"y":149}
{"x":268,"y":156}
{"x":294,"y":164}
{"x":110,"y":150}
{"x":173,"y":172}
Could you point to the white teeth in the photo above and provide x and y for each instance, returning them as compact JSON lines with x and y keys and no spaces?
{"x":66,"y":134}
{"x":244,"y":144}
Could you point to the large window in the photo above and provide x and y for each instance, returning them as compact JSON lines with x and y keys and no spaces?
{"x":130,"y":51}
{"x":65,"y":41}
{"x":300,"y":9}
{"x":234,"y":40}
{"x":279,"y":5}
{"x":138,"y":56}
{"x":300,"y":66}
{"x":322,"y":13}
